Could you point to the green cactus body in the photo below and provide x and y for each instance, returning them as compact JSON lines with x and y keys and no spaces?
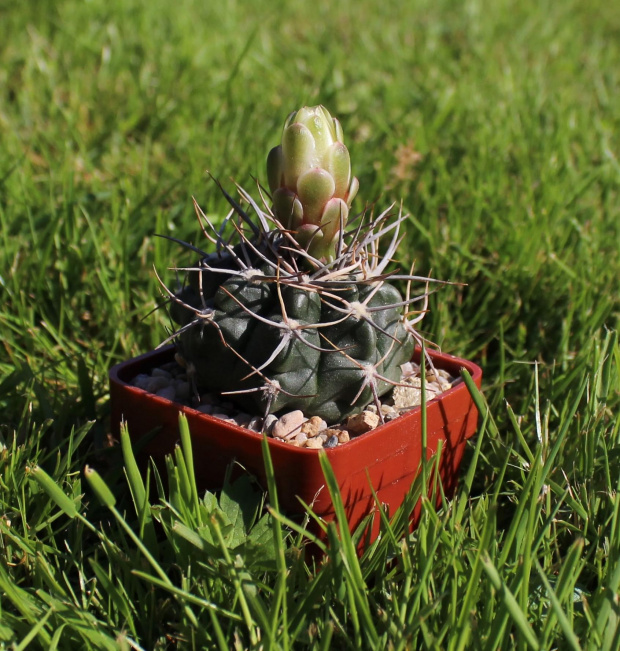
{"x":322,"y":370}
{"x":299,"y":313}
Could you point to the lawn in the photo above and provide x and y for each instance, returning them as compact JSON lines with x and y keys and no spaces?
{"x":498,"y":126}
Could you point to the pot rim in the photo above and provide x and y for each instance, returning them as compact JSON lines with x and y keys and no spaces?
{"x":456,"y":364}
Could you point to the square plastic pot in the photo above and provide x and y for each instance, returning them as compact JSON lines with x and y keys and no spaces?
{"x":388,"y":457}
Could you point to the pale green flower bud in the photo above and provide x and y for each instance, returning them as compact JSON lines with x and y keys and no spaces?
{"x":315,"y":188}
{"x":310,"y":179}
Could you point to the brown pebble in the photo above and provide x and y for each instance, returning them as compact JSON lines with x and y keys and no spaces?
{"x":313,"y":426}
{"x":315,"y":443}
{"x":343,"y":436}
{"x":364,"y":422}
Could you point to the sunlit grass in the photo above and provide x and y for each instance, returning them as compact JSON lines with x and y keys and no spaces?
{"x":497,"y":125}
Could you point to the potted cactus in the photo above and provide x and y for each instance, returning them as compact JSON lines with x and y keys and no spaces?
{"x":295,"y":312}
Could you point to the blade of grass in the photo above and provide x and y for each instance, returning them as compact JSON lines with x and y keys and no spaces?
{"x":512,"y":606}
{"x":356,"y":584}
{"x":558,"y":612}
{"x":280,"y":609}
{"x":186,"y":446}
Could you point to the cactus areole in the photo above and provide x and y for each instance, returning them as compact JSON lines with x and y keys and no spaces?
{"x":294,"y":309}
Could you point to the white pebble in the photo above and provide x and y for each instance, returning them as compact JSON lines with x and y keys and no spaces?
{"x":406,"y":397}
{"x":269,"y":422}
{"x":288,"y":425}
{"x":300,"y":439}
{"x":389,"y":412}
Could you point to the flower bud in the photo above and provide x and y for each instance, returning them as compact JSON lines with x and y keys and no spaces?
{"x":308,"y":172}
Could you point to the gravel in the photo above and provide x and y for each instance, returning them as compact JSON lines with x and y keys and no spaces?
{"x":170,"y":381}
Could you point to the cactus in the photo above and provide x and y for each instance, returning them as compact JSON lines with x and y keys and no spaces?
{"x":293,"y":309}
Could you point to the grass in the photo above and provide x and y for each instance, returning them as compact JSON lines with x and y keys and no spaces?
{"x":497,"y":123}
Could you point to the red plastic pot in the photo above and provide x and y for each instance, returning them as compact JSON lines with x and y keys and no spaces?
{"x":389,"y":456}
